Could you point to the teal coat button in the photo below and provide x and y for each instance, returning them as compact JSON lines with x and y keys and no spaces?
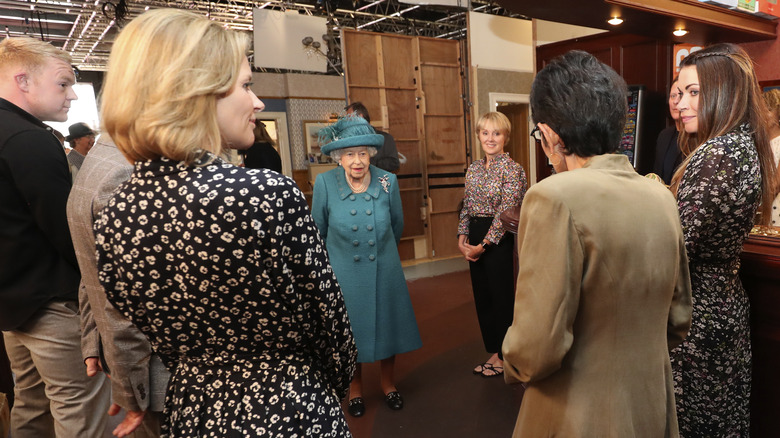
{"x":368,"y":212}
{"x":372,"y":257}
{"x":371,"y":243}
{"x":370,"y":227}
{"x":354,"y":227}
{"x":356,"y":243}
{"x":353,"y":212}
{"x":357,"y":258}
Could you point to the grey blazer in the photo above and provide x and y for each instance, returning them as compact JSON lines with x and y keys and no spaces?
{"x":138,"y":378}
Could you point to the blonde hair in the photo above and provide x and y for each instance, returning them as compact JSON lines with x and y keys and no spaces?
{"x":261,"y":134}
{"x":772,"y":99}
{"x":165,"y":73}
{"x":29,"y":53}
{"x":498,"y":120}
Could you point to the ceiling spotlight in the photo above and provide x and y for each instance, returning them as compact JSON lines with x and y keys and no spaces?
{"x":680,"y":32}
{"x":615,"y":21}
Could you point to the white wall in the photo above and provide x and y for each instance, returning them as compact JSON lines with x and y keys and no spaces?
{"x":278,"y":37}
{"x":501,"y":43}
{"x":84,"y":109}
{"x":551,"y":32}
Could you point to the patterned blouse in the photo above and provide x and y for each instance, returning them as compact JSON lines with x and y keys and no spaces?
{"x":490,"y":191}
{"x":225,"y":272}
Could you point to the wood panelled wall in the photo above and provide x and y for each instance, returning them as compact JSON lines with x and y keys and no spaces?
{"x":760,"y":275}
{"x":640,"y":61}
{"x":412,"y":88}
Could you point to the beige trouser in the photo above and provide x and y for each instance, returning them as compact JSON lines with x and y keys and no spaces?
{"x":54,"y":396}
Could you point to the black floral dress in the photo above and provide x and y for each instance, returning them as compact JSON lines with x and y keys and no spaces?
{"x":718,"y":197}
{"x":224,"y":270}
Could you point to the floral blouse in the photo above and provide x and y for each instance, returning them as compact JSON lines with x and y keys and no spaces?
{"x":490,"y":191}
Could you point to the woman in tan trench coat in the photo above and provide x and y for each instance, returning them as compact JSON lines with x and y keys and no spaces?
{"x":603,"y":289}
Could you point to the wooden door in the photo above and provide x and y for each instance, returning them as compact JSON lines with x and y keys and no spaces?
{"x":519,"y":141}
{"x":411,"y":86}
{"x":445,"y":139}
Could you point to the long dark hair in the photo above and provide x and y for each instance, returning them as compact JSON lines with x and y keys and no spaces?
{"x":262,"y":135}
{"x":729,"y":96}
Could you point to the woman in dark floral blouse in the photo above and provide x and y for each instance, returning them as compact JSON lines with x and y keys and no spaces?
{"x":493,"y":184}
{"x":719,"y":187}
{"x":221,"y":267}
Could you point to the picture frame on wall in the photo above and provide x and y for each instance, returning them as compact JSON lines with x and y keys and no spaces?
{"x":311,"y":130}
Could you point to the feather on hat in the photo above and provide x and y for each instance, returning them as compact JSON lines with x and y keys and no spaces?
{"x":347,"y":132}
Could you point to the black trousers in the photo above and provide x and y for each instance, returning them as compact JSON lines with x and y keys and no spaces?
{"x":493,"y":283}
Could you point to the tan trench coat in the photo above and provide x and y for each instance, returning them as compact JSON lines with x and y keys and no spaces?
{"x":603,"y":293}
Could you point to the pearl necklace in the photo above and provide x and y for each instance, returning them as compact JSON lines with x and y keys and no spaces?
{"x":363,"y":185}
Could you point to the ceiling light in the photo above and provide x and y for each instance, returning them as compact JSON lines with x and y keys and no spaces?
{"x":615,"y":21}
{"x":680,"y":32}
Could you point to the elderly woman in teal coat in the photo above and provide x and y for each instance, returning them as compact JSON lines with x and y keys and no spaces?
{"x":357,"y":208}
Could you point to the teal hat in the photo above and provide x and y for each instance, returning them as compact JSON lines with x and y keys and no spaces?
{"x":347,"y":132}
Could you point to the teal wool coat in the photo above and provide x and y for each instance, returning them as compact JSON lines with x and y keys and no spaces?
{"x":361,"y":232}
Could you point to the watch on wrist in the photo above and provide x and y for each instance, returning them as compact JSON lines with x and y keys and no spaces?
{"x":484,"y":244}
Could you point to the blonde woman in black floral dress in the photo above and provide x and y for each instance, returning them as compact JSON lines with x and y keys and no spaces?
{"x":221,"y":267}
{"x":719,"y":189}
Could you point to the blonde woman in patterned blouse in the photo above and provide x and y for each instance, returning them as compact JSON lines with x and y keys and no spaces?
{"x":494,"y":184}
{"x":221,"y":267}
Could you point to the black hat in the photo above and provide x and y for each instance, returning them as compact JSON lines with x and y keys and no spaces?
{"x":78,"y":130}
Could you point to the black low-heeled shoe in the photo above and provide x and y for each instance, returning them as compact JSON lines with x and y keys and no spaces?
{"x":394,"y":401}
{"x":357,"y":407}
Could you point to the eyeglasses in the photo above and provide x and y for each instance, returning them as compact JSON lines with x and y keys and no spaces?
{"x":536,"y":134}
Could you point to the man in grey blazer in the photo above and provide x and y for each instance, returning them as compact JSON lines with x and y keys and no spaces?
{"x":110,"y":343}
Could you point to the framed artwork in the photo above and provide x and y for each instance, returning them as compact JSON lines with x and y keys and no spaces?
{"x":311,"y":129}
